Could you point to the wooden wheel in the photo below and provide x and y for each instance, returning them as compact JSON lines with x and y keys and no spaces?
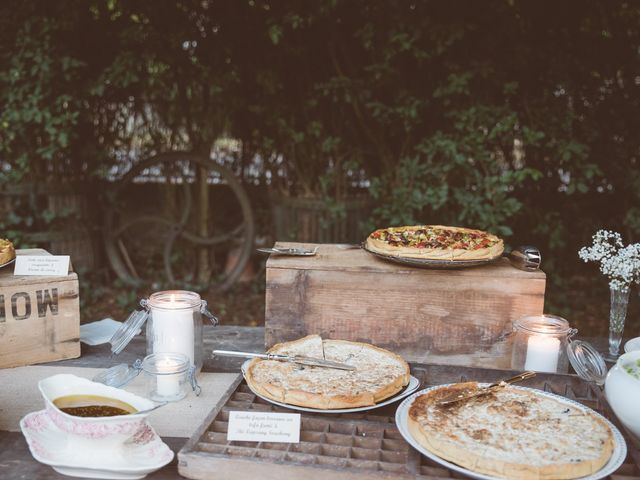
{"x":154,"y":231}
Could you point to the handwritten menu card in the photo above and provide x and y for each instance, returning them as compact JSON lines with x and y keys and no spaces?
{"x":42,"y":265}
{"x":264,"y":427}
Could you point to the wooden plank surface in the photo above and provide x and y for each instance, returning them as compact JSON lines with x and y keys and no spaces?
{"x":16,"y":461}
{"x":20,"y":396}
{"x":459,"y":317}
{"x":222,"y":337}
{"x":339,"y":258}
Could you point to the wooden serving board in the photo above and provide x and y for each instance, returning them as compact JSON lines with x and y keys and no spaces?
{"x":462,"y":316}
{"x":355,"y":446}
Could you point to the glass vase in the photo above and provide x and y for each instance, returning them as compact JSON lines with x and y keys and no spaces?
{"x":617,"y":317}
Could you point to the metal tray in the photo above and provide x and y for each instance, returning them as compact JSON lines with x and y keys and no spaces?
{"x":429,"y":263}
{"x":356,"y":446}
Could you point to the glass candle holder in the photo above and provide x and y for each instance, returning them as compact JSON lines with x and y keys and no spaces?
{"x":174,"y":324}
{"x":167,"y":376}
{"x":540,"y":344}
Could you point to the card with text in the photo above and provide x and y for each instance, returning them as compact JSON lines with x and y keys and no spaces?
{"x":42,"y":265}
{"x":264,"y":427}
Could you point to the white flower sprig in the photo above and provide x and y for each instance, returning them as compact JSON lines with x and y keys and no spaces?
{"x":621,"y":264}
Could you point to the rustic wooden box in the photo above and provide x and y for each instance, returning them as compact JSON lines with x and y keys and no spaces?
{"x":357,"y":446}
{"x":461,"y":316}
{"x":39,"y":317}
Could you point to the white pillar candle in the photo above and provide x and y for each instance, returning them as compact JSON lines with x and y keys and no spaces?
{"x":168,"y":385}
{"x":173,"y":329}
{"x":542,"y":353}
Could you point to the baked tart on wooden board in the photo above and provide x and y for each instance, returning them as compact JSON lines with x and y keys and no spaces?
{"x":435,"y":242}
{"x":513,"y":433}
{"x":379,"y":374}
{"x":7,"y":252}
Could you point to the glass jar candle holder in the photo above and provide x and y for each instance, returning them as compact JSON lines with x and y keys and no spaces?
{"x":174,"y":324}
{"x":166,"y":376}
{"x":540,"y":344}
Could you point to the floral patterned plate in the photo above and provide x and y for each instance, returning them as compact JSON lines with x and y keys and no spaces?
{"x":144,"y":453}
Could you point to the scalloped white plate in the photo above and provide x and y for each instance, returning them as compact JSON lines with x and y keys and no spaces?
{"x":48,"y":445}
{"x":617,"y":457}
{"x":411,"y":387}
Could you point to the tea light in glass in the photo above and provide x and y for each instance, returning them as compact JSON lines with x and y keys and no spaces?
{"x":166,"y":376}
{"x":540,"y":344}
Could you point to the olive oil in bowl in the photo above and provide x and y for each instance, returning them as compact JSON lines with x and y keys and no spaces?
{"x":92,"y":406}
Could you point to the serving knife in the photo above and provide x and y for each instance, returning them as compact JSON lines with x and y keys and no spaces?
{"x":299,"y":359}
{"x":462,"y":396}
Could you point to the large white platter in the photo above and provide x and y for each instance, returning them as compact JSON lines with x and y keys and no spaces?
{"x":411,"y":387}
{"x":617,"y":457}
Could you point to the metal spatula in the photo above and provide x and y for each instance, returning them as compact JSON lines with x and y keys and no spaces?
{"x":462,"y":396}
{"x":299,"y":359}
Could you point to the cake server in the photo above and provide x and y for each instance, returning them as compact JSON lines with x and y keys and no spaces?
{"x":459,"y":397}
{"x":299,"y":359}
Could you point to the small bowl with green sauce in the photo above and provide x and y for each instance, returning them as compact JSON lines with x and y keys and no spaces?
{"x":94,"y":415}
{"x":622,"y":389}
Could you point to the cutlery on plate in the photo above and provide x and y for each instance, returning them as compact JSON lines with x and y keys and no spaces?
{"x":462,"y":396}
{"x":299,"y":359}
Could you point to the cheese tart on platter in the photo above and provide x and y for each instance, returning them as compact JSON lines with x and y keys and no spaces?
{"x":514,"y":432}
{"x":379,"y":374}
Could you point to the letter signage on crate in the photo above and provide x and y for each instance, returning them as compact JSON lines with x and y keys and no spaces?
{"x":264,"y":427}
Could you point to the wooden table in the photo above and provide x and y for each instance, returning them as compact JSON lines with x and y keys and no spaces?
{"x":16,"y":461}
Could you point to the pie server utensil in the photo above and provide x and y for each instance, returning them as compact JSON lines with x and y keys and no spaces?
{"x":299,"y":359}
{"x":462,"y":396}
{"x":299,"y":252}
{"x":525,"y":257}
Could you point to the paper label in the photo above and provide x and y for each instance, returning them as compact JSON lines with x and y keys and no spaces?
{"x":264,"y":427}
{"x":42,"y":265}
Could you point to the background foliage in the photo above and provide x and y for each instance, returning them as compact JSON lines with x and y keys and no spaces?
{"x":515,"y":116}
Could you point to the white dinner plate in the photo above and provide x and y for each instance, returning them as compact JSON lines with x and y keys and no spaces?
{"x":411,"y":387}
{"x":48,"y":445}
{"x":617,"y":457}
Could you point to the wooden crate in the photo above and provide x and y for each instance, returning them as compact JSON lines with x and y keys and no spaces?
{"x":39,"y":317}
{"x":461,"y":316}
{"x":357,"y":446}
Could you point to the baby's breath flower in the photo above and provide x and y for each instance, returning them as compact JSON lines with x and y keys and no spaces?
{"x":621,"y":264}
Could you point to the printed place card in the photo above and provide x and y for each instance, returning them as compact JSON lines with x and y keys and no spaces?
{"x":264,"y":427}
{"x":42,"y":265}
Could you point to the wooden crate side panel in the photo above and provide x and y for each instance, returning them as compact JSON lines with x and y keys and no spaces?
{"x":39,"y":323}
{"x":448,"y":319}
{"x":203,"y":466}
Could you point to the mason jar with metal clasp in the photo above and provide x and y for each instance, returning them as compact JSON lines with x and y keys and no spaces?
{"x":540,"y":344}
{"x":174,"y":324}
